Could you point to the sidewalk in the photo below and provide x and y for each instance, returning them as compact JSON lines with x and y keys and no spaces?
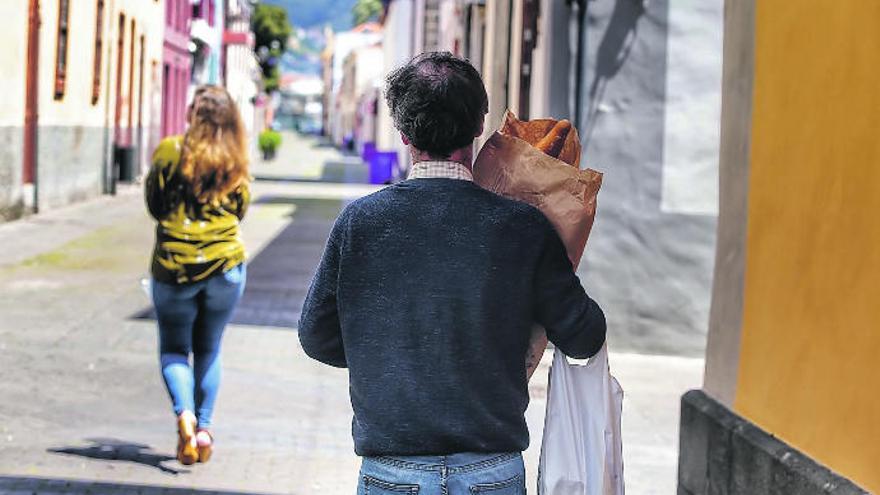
{"x":310,"y":159}
{"x":83,"y":399}
{"x":83,"y":407}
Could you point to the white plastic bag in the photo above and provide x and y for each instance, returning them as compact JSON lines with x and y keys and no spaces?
{"x":582,"y":452}
{"x":147,"y":287}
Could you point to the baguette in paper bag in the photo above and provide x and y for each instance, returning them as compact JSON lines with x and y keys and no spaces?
{"x":537,"y":162}
{"x":512,"y":165}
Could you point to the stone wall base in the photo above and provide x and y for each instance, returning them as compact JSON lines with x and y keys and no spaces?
{"x":722,"y":453}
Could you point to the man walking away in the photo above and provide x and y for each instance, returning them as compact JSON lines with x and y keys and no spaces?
{"x":427,"y":291}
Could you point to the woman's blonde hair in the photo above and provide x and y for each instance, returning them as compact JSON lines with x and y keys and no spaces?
{"x":214,"y":159}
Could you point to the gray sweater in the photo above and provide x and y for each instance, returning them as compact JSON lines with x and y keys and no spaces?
{"x":427,"y":291}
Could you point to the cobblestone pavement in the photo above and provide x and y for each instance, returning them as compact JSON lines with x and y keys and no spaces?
{"x":82,"y":405}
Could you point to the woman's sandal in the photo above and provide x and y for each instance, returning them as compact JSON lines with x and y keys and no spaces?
{"x":205,"y":443}
{"x":187,"y":448}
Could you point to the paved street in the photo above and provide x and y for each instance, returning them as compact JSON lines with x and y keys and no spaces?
{"x":82,"y":405}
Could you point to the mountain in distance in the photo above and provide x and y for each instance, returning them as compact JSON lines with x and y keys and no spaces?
{"x":309,"y":14}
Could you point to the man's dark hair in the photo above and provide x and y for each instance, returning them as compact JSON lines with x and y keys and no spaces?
{"x":437,"y":101}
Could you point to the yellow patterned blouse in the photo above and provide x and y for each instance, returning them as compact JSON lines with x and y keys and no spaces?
{"x":193,"y":240}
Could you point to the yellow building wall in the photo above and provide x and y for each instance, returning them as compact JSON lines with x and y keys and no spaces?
{"x":810,"y":356}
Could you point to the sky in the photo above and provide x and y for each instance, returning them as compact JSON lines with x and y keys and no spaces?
{"x":317,"y":13}
{"x":312,"y":16}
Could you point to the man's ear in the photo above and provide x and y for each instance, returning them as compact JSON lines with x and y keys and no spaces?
{"x":404,"y":139}
{"x":482,"y":123}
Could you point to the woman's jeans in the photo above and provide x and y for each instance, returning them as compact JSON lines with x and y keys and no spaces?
{"x":192,"y":318}
{"x":455,"y":474}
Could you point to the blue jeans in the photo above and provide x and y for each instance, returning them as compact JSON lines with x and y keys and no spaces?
{"x":455,"y":474}
{"x":191,"y":319}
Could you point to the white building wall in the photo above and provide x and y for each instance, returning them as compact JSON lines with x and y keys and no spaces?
{"x":73,"y":126}
{"x":692,"y":130}
{"x":369,"y":74}
{"x":397,"y":49}
{"x":648,"y":123}
{"x":13,"y":59}
{"x":344,"y":44}
{"x":242,"y":71}
{"x":539,"y":95}
{"x":399,"y":46}
{"x":452,"y":26}
{"x":212,"y":35}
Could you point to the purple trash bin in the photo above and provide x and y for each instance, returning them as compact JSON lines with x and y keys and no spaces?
{"x":381,"y":166}
{"x":369,"y":149}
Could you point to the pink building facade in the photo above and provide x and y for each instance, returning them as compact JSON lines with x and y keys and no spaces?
{"x":175,"y":66}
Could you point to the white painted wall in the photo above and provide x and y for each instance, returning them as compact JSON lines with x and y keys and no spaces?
{"x":346,"y":42}
{"x":398,"y":47}
{"x":452,"y":26}
{"x":76,"y":107}
{"x":539,"y":95}
{"x":212,"y":35}
{"x":13,"y":59}
{"x":648,"y":67}
{"x":693,"y":107}
{"x":241,"y":70}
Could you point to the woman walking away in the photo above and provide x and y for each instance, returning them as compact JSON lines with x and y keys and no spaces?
{"x":197,"y":190}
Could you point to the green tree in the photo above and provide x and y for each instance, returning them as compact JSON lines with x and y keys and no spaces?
{"x":366,"y":10}
{"x":271,"y":29}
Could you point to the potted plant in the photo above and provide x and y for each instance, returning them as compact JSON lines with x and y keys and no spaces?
{"x":269,"y":140}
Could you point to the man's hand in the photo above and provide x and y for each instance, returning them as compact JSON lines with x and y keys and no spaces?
{"x":537,"y":345}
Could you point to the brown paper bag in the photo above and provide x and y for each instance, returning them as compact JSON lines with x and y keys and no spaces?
{"x":511,"y":165}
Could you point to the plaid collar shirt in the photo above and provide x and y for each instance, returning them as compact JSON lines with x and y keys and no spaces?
{"x":440,"y":170}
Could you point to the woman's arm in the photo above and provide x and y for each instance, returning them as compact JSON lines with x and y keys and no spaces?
{"x":167,"y":153}
{"x":241,"y":199}
{"x":153,"y":190}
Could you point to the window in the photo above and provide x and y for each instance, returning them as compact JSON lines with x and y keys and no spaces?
{"x":204,"y":9}
{"x":99,"y":44}
{"x":61,"y":48}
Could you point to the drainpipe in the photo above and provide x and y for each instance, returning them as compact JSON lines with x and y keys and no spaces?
{"x":581,"y":67}
{"x":32,"y":98}
{"x":415,"y":25}
{"x":107,"y":169}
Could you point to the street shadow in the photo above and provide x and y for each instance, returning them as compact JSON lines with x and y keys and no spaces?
{"x":613,"y":50}
{"x":110,"y":449}
{"x":344,"y":170}
{"x":55,"y":486}
{"x":320,"y":141}
{"x":324,"y":142}
{"x":278,"y":277}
